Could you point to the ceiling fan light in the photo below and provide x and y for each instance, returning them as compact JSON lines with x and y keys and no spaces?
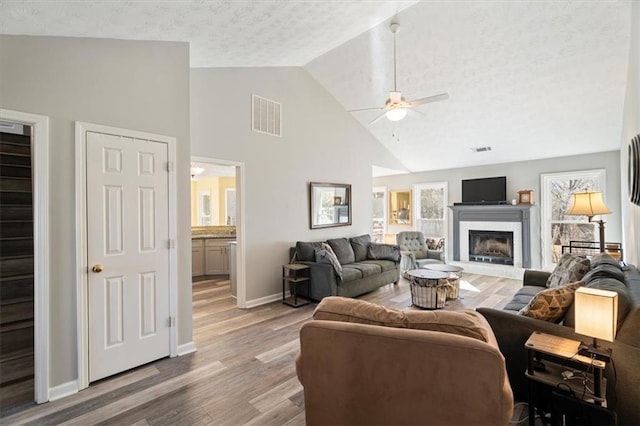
{"x":396,"y":114}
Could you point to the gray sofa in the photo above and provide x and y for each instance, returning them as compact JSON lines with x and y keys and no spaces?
{"x":365,"y":267}
{"x":623,"y":374}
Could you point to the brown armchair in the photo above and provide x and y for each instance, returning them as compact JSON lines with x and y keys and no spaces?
{"x":361,"y":363}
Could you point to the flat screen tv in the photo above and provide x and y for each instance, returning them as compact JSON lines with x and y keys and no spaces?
{"x":485,"y":191}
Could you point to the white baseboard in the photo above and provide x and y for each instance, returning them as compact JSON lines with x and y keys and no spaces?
{"x":63,"y":390}
{"x":187,"y":348}
{"x":264,"y":300}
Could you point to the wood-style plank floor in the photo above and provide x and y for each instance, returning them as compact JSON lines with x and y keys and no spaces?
{"x":242,"y":373}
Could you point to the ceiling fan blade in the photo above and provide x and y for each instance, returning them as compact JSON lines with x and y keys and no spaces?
{"x":366,"y":109}
{"x":434,"y":98}
{"x":377,"y":118}
{"x":416,"y":113}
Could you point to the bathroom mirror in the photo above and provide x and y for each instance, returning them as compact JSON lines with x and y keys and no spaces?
{"x":399,"y":207}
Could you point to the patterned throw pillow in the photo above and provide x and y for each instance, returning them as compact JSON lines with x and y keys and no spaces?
{"x":570,"y":268}
{"x":434,"y":243}
{"x":551,"y":304}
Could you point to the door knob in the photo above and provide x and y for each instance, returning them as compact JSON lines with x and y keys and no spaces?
{"x":97,"y":268}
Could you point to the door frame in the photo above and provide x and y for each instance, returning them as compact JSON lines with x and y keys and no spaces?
{"x":40,"y":179}
{"x":82,"y":267}
{"x":241,"y":289}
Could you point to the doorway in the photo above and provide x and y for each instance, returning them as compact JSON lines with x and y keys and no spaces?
{"x":26,"y":364}
{"x":217,"y":219}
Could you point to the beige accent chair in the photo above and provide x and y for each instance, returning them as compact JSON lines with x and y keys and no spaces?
{"x":364,"y":364}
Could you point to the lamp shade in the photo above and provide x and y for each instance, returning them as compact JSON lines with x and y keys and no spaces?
{"x":587,"y":204}
{"x":596,"y":313}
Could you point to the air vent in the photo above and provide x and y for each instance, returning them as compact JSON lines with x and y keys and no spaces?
{"x":266,"y":116}
{"x":481,"y":149}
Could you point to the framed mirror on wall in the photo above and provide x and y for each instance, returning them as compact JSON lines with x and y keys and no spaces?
{"x":329,"y":205}
{"x":400,"y":207}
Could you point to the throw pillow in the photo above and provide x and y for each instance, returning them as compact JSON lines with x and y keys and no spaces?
{"x":570,"y":268}
{"x":466,"y":323}
{"x":551,"y":304}
{"x":343,"y":250}
{"x":326,"y":255}
{"x":360,"y":245}
{"x":434,"y":243}
{"x":378,"y":251}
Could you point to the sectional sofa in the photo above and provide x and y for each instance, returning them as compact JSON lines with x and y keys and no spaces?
{"x":623,"y":373}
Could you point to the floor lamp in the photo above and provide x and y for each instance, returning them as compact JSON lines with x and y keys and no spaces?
{"x":589,"y":204}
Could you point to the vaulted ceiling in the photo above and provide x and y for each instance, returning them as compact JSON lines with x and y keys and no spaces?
{"x":530,"y":79}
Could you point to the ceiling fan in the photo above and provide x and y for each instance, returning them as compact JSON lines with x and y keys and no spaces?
{"x":396,"y":107}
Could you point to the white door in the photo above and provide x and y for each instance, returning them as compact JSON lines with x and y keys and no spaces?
{"x":127,"y":252}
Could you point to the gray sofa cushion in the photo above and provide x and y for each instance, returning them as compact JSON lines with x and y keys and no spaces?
{"x":384,"y":252}
{"x":604,"y":270}
{"x":306,"y":252}
{"x":360,"y":245}
{"x":342,"y":248}
{"x":385,"y":265}
{"x":350,"y":273}
{"x":367,"y":269}
{"x":522,"y":297}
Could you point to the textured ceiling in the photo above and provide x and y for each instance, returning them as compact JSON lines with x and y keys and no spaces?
{"x":531,"y":79}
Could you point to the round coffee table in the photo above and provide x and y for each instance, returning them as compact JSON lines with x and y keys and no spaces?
{"x":427,"y":289}
{"x":453,"y":277}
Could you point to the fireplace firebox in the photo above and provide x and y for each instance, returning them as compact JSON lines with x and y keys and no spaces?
{"x":491,"y":247}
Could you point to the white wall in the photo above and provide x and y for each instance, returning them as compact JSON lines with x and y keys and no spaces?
{"x":523,"y":175}
{"x":630,"y":128}
{"x":320,"y":142}
{"x":130,"y":84}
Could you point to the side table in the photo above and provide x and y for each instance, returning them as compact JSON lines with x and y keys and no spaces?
{"x":570,"y":386}
{"x":294,"y":274}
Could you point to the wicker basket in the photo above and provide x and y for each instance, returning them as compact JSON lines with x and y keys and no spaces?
{"x":429,"y":293}
{"x":454,"y":290}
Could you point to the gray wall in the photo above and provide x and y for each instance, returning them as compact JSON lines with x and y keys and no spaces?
{"x":630,"y":128}
{"x":130,"y":84}
{"x":524,"y":175}
{"x":320,"y":142}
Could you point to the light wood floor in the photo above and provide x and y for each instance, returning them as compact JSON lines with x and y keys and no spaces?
{"x":242,"y":373}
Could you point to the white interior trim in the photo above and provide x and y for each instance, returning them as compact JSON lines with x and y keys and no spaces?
{"x":40,"y":170}
{"x":241,"y":290}
{"x":599,"y":175}
{"x":81,"y":240}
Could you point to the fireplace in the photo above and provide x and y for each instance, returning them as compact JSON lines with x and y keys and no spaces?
{"x":514,"y":219}
{"x":491,"y":247}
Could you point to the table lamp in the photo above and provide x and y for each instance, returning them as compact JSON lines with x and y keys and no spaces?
{"x":596,"y":317}
{"x":589,"y":204}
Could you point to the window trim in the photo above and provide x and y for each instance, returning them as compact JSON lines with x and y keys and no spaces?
{"x":444,"y":185}
{"x":598,"y":175}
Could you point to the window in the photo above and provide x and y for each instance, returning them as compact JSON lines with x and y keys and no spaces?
{"x":230,"y":206}
{"x":204,"y":208}
{"x":431,"y":213}
{"x":558,"y":228}
{"x":379,"y":211}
